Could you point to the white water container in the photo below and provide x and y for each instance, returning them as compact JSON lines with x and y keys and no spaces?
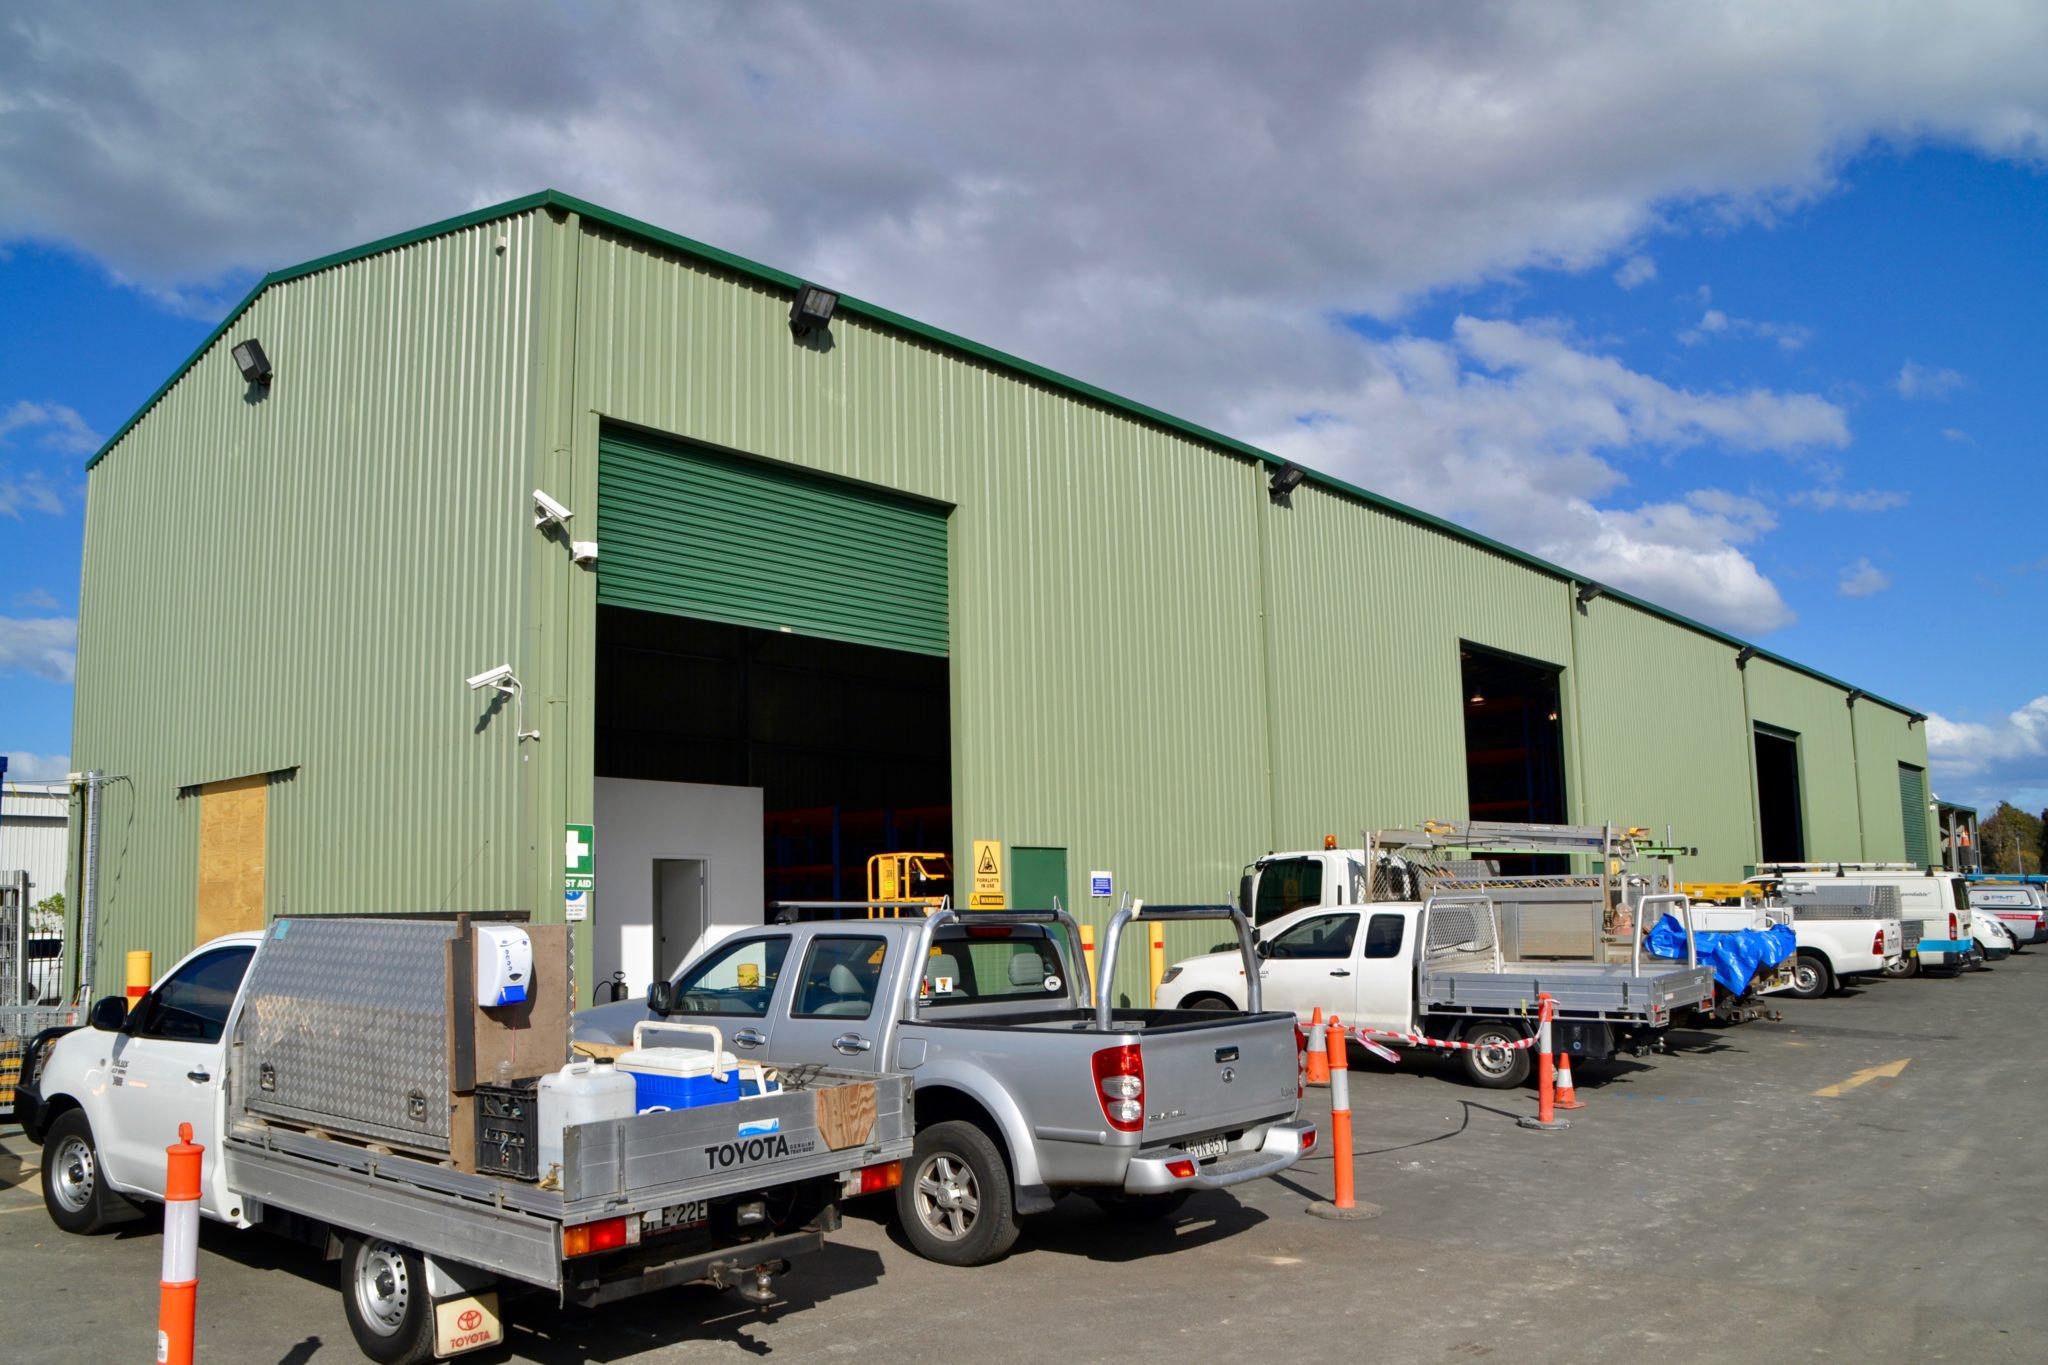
{"x":581,"y":1092}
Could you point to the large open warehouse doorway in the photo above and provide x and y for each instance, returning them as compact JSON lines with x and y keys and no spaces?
{"x":1781,"y":832}
{"x":1514,"y":745}
{"x":773,"y":691}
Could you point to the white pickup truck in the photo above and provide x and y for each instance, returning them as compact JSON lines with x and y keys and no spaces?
{"x":1435,"y":969}
{"x":639,"y":1203}
{"x":1845,"y":932}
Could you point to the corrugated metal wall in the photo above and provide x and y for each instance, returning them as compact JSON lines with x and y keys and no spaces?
{"x":1662,"y":735}
{"x":302,"y":581}
{"x":1883,"y":741}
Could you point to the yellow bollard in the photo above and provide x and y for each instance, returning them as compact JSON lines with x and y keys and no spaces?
{"x":1088,"y":952}
{"x":140,"y":974}
{"x":1158,"y":960}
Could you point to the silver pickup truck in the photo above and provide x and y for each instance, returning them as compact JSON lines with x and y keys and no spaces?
{"x":1024,"y":1087}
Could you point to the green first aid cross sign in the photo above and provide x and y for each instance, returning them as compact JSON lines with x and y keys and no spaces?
{"x":576,"y":878}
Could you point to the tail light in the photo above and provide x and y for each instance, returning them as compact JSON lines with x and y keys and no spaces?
{"x":883,"y":1175}
{"x":1877,"y":943}
{"x":1120,"y":1086}
{"x":606,"y":1234}
{"x":1300,"y":1060}
{"x":1954,"y":929}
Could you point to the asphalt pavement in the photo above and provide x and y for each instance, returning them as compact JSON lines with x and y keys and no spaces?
{"x":1864,"y":1179}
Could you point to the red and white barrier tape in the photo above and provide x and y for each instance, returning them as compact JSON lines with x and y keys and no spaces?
{"x":1365,"y":1038}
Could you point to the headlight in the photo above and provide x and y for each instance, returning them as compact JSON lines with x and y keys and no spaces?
{"x":1171,"y":973}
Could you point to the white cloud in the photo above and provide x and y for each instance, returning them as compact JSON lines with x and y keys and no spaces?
{"x":1927,"y":381}
{"x":59,"y":428}
{"x":1714,"y":323}
{"x":1849,"y":500}
{"x":35,"y":599}
{"x":32,"y":490}
{"x":44,"y":646}
{"x":27,"y":767}
{"x":1636,"y":270}
{"x":1958,"y":435}
{"x":1863,"y":578}
{"x":2006,"y":759}
{"x":1509,"y":427}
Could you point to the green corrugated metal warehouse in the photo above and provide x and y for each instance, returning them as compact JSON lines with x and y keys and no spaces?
{"x":821,"y":593}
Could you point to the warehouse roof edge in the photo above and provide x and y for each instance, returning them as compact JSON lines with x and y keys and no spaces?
{"x":546,"y":199}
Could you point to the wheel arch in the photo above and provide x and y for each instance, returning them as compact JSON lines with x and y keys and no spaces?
{"x":942,"y":1100}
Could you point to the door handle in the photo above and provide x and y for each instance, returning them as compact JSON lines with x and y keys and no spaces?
{"x":750,"y":1037}
{"x":850,"y":1043}
{"x":1341,"y":971}
{"x":199,"y":1074}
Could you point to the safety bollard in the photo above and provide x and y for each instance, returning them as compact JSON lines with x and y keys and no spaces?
{"x":1546,"y":1119}
{"x":139,"y":975}
{"x":1318,"y":1055}
{"x":1343,"y":1202}
{"x":178,"y":1304}
{"x":1158,"y":964}
{"x":1088,"y":950}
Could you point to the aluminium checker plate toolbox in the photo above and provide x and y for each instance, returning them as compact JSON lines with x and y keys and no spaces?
{"x":344,"y":1027}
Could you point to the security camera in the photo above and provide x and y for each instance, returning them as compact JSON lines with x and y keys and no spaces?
{"x":546,"y":510}
{"x":497,"y":677}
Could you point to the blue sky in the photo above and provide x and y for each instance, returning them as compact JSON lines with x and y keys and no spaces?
{"x":1742,"y":318}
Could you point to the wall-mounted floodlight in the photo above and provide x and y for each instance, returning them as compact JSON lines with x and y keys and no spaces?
{"x":548,"y":512}
{"x":501,"y":680}
{"x":1744,"y":655}
{"x":1285,"y":480}
{"x":1856,"y":694}
{"x":250,"y":360}
{"x":1914,"y":720}
{"x":1589,"y":591}
{"x":583,"y":551}
{"x":812,"y":310}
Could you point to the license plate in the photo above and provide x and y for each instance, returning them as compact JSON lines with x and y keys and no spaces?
{"x":693,"y":1214}
{"x":1202,"y":1151}
{"x":467,"y":1324}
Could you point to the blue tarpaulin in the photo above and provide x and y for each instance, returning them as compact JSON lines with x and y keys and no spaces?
{"x":1735,"y":956}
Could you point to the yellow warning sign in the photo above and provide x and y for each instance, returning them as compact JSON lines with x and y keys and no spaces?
{"x":987,"y":892}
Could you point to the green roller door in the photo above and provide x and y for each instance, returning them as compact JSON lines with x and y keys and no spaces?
{"x":694,"y":532}
{"x":1913,"y":809}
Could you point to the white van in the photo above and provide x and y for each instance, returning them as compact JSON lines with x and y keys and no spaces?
{"x":1934,"y":907}
{"x":2021,"y":907}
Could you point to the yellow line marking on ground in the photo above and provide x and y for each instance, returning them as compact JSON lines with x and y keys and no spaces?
{"x":1864,"y":1077}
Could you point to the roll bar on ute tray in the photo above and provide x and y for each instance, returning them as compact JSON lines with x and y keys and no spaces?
{"x":946,"y":914}
{"x":1138,"y":910}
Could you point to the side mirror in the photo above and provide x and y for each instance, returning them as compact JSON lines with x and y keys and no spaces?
{"x":109,"y":1012}
{"x":661,"y":996}
{"x":1263,"y":948}
{"x":1244,"y":895}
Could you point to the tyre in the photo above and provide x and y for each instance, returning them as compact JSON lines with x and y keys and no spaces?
{"x":1811,"y":978}
{"x":74,"y":1188}
{"x":1141,"y":1208}
{"x":1489,"y":1062}
{"x":1900,"y":969}
{"x":1207,"y":1002}
{"x":956,"y":1208}
{"x":384,"y":1293}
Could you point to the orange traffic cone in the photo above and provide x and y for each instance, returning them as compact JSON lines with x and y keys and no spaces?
{"x":1567,"y":1098}
{"x":1318,"y":1055}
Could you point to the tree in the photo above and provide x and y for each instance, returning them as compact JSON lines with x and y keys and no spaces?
{"x":47,"y":915}
{"x":2010,"y":840}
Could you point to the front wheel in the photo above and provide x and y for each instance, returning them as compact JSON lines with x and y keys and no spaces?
{"x":1492,"y":1061}
{"x":1810,"y":978}
{"x":1207,"y":1002}
{"x":74,"y":1186}
{"x":955,"y":1208}
{"x":384,"y":1292}
{"x":1898,"y":969}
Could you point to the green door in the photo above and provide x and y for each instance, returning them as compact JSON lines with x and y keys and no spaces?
{"x":1913,"y":810}
{"x":1037,"y":875}
{"x":695,"y":532}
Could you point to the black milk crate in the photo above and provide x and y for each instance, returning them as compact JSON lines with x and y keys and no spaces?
{"x":508,"y":1130}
